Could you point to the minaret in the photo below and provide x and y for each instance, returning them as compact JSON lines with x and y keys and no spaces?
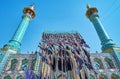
{"x":108,"y":46}
{"x":14,"y":44}
{"x":106,"y":42}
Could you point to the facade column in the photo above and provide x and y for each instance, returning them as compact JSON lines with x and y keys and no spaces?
{"x":3,"y":62}
{"x":20,"y":64}
{"x":37,"y":64}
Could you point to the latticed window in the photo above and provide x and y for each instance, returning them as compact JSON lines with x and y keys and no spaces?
{"x":24,"y":64}
{"x":13,"y":64}
{"x":33,"y":64}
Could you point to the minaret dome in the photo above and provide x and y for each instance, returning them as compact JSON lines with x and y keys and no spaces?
{"x":30,"y":11}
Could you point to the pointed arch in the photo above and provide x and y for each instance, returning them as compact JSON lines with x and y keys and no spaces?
{"x":103,"y":76}
{"x":7,"y":77}
{"x":25,"y":63}
{"x":115,"y":76}
{"x":109,"y":63}
{"x":98,"y":63}
{"x":13,"y":65}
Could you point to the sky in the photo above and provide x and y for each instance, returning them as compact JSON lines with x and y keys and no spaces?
{"x":59,"y":15}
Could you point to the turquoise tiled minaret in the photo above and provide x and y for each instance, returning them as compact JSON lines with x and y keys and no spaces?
{"x":15,"y":43}
{"x":13,"y":46}
{"x":108,"y":46}
{"x":106,"y":42}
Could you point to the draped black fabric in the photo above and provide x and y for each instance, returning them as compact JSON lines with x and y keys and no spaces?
{"x":42,"y":57}
{"x":80,"y":63}
{"x":87,"y":54}
{"x":80,"y":75}
{"x":54,"y":64}
{"x":49,"y":50}
{"x":62,"y":43}
{"x":89,"y":66}
{"x":85,"y":75}
{"x":40,"y":54}
{"x":68,"y":65}
{"x":42,"y":47}
{"x":65,"y":65}
{"x":84,"y":43}
{"x":59,"y":64}
{"x":40,"y":76}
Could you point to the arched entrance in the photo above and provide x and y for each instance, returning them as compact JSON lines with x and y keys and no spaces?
{"x":25,"y":64}
{"x":13,"y":64}
{"x":33,"y":64}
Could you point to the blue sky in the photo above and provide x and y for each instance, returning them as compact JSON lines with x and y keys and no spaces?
{"x":59,"y":15}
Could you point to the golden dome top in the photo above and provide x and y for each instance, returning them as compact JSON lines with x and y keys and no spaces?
{"x":91,"y":10}
{"x":30,"y":11}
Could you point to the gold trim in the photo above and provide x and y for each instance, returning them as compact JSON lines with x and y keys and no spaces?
{"x":91,"y":10}
{"x":13,"y":51}
{"x":108,"y":50}
{"x":31,"y":10}
{"x":116,"y":48}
